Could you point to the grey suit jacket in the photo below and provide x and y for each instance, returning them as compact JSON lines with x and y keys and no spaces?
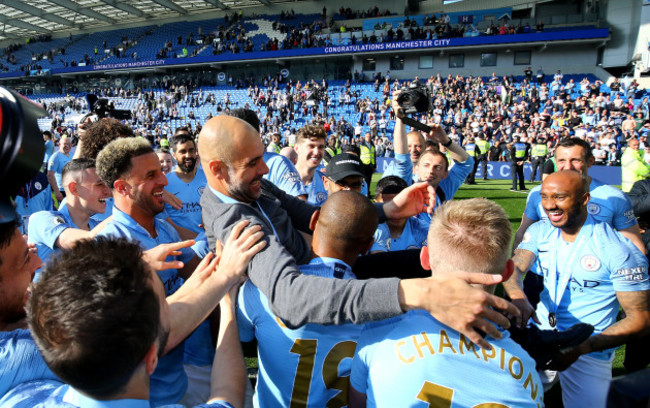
{"x":296,"y":298}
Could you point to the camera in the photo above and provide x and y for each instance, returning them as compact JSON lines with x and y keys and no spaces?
{"x":414,"y":98}
{"x":102,"y":108}
{"x":21,"y":146}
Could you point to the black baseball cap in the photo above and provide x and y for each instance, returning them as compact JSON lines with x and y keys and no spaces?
{"x":344,"y":165}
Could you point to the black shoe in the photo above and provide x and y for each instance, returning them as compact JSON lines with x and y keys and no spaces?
{"x":523,"y":189}
{"x":471,"y":182}
{"x":513,"y":189}
{"x":544,"y":345}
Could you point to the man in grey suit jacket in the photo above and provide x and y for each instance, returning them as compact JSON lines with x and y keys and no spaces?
{"x":231,"y":155}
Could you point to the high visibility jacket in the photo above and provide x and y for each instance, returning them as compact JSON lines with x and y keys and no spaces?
{"x":483,"y":146}
{"x":470,"y":148}
{"x":540,"y":150}
{"x":367,"y":153}
{"x":633,"y":168}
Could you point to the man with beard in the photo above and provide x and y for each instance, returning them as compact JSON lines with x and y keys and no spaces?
{"x":187,"y":182}
{"x":20,"y":360}
{"x":109,"y":335}
{"x":131,"y":169}
{"x":589,"y":270}
{"x":232,"y":155}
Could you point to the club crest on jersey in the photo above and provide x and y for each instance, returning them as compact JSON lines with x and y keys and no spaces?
{"x":200,"y":190}
{"x":590,"y":263}
{"x":321,"y":196}
{"x":38,"y":186}
{"x":593,"y":208}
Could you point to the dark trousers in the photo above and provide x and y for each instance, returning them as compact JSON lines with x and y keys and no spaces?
{"x":368,"y":170}
{"x":537,"y":163}
{"x":472,"y":174}
{"x":483,"y":158}
{"x":517,"y":170}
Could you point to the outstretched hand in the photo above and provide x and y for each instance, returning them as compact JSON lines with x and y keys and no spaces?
{"x":242,"y":244}
{"x":156,"y":256}
{"x":413,"y":200}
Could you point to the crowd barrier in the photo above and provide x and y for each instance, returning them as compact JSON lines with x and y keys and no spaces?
{"x":501,"y":171}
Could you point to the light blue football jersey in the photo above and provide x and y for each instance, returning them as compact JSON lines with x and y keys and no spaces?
{"x":415,"y":361}
{"x":45,"y":228}
{"x":190,"y":194}
{"x":20,"y":360}
{"x":283,"y":174}
{"x":168,"y":382}
{"x":401,"y":167}
{"x":308,"y":366}
{"x":316,"y":191}
{"x":589,"y":272}
{"x":413,"y":236}
{"x":48,"y":394}
{"x":56,"y":163}
{"x":607,"y":204}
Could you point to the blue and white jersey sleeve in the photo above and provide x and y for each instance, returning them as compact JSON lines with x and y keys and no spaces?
{"x":45,"y":228}
{"x":455,"y":178}
{"x":283,"y":174}
{"x":401,"y":167}
{"x":628,"y":266}
{"x":531,"y":238}
{"x":623,"y":216}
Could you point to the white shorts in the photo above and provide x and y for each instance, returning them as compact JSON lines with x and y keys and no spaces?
{"x":584,"y":384}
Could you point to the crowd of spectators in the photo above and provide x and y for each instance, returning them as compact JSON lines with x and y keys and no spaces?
{"x":292,"y":32}
{"x":499,"y":108}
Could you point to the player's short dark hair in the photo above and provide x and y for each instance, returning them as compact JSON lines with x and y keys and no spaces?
{"x":7,"y":231}
{"x":115,"y":160}
{"x":575,"y":141}
{"x":350,"y":148}
{"x":101,"y":133}
{"x":182,"y":130}
{"x":77,"y":165}
{"x":94,"y":314}
{"x":181,"y":138}
{"x":390,"y":185}
{"x":247,"y":115}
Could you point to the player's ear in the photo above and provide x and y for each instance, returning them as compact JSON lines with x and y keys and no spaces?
{"x":150,"y":359}
{"x":586,"y":198}
{"x":424,"y":258}
{"x":121,"y":186}
{"x":72,"y":186}
{"x":508,"y":270}
{"x":314,"y":220}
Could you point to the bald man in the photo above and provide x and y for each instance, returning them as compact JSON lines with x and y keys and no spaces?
{"x":231,"y":153}
{"x":589,"y":270}
{"x":343,"y":230}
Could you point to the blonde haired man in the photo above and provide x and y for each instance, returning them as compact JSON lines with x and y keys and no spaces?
{"x":414,"y":357}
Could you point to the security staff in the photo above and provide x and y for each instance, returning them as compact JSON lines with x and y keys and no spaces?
{"x":519,"y":153}
{"x":538,"y":153}
{"x":368,"y":157}
{"x":471,"y":149}
{"x":483,"y":147}
{"x":633,"y":167}
{"x":332,"y":148}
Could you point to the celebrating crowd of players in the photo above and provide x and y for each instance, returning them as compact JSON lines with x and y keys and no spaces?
{"x":101,"y":329}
